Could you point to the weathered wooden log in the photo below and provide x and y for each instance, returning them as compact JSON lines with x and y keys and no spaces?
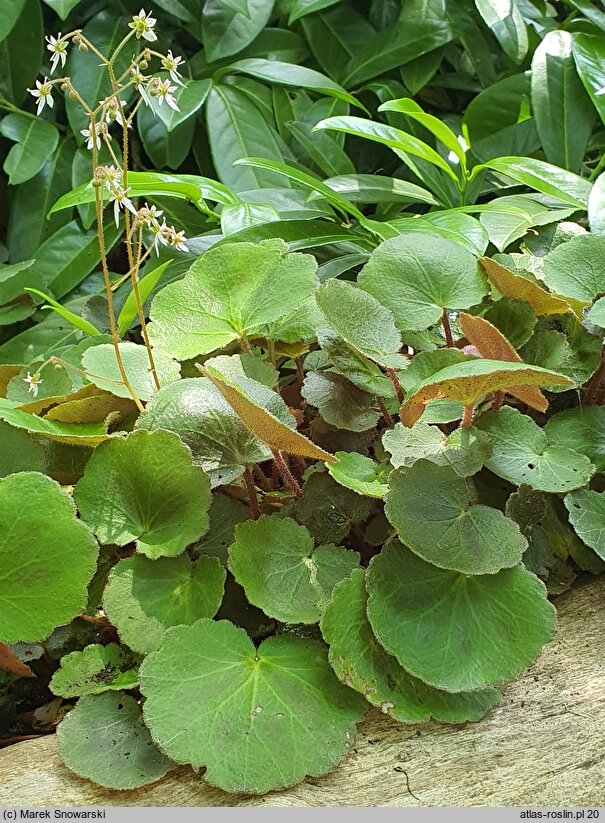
{"x":543,"y":746}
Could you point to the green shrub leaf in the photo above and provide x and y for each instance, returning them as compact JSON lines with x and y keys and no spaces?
{"x":483,"y":629}
{"x":102,"y":369}
{"x":329,"y":510}
{"x":581,"y":430}
{"x":587,"y":515}
{"x":361,"y":474}
{"x":340,"y":403}
{"x":575,"y":269}
{"x":464,"y":450}
{"x":281,"y":709}
{"x":145,"y":488}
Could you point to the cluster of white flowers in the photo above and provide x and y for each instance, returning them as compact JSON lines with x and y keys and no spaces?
{"x":112,"y":110}
{"x":149,"y":216}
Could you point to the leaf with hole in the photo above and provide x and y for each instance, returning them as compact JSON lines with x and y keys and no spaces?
{"x":522,"y":453}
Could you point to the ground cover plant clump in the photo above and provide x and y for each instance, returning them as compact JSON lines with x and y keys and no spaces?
{"x":302,"y":382}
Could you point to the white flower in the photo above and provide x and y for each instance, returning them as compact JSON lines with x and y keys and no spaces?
{"x":143,"y":24}
{"x":111,"y":110}
{"x":140,"y":84}
{"x":150,"y":216}
{"x":58,"y":50}
{"x":178,"y":239}
{"x":44,"y":94}
{"x":97,"y":139}
{"x":164,"y":91}
{"x":34,"y":381}
{"x":120,"y":201}
{"x":113,"y":178}
{"x":171,"y":64}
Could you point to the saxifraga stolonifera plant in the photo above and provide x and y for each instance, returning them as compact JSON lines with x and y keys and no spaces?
{"x":222,"y":539}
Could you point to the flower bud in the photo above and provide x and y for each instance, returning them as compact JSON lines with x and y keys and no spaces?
{"x":83,"y":48}
{"x":143,"y":64}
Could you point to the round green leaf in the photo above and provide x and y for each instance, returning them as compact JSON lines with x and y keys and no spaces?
{"x":576,"y":268}
{"x":225,"y":513}
{"x":340,"y":403}
{"x":274,"y":560}
{"x":581,"y":429}
{"x":145,"y":488}
{"x":361,"y":663}
{"x":102,"y":369}
{"x":596,"y":315}
{"x":196,"y":411}
{"x":94,"y":670}
{"x":361,"y":474}
{"x":587,"y":515}
{"x":105,"y":740}
{"x":47,"y":557}
{"x":145,"y":597}
{"x":257,"y":718}
{"x":521,"y":453}
{"x":362,"y":321}
{"x":437,"y":516}
{"x":349,"y":362}
{"x":418,"y":275}
{"x":465,"y":450}
{"x":453,"y":631}
{"x":231,"y":292}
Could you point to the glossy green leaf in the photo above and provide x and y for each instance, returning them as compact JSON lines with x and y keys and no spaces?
{"x":79,"y":434}
{"x":438,"y":516}
{"x":105,"y":740}
{"x":196,"y":411}
{"x":543,"y":177}
{"x":562,"y":110}
{"x":507,"y":25}
{"x":189,"y":98}
{"x":282,"y":710}
{"x":229,"y":294}
{"x":94,"y":670}
{"x":401,"y":142}
{"x":147,"y":284}
{"x":102,"y":369}
{"x":145,"y":488}
{"x":522,"y":453}
{"x":433,"y":124}
{"x":288,"y":74}
{"x":281,"y":572}
{"x":588,"y":52}
{"x":484,"y":629}
{"x":76,"y":321}
{"x":596,"y":205}
{"x":361,"y":663}
{"x":47,"y":555}
{"x":450,"y":279}
{"x":35,"y":140}
{"x":144,"y":597}
{"x":19,"y":452}
{"x":21,"y":48}
{"x":226,"y":31}
{"x":62,"y":7}
{"x":373,"y":188}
